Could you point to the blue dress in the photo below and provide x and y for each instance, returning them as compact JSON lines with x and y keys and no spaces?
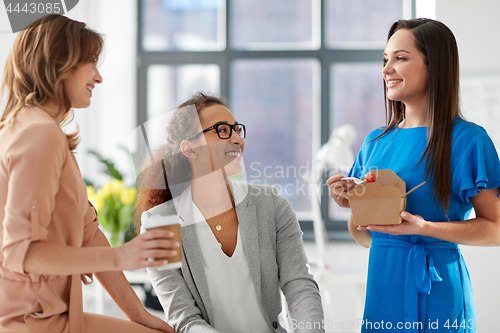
{"x":417,"y":283}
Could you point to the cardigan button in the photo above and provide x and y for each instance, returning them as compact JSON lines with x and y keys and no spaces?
{"x":275,"y":324}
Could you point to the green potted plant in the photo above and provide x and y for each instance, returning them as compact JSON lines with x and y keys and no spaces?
{"x":115,"y":203}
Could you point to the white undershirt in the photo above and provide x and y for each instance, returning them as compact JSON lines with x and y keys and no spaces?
{"x":232,"y":293}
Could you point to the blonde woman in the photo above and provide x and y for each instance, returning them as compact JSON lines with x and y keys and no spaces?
{"x":49,"y":237}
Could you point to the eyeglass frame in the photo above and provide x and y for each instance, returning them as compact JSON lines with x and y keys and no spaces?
{"x":216,"y":128}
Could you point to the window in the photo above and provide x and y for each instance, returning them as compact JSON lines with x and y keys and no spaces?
{"x":292,"y":71}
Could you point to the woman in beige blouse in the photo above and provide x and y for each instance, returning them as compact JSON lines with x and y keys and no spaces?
{"x":49,"y":237}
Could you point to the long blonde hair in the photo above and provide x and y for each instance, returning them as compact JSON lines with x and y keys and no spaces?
{"x":43,"y":55}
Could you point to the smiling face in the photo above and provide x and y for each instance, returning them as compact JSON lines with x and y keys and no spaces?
{"x":405,"y":71}
{"x":78,"y":87}
{"x":211,"y":152}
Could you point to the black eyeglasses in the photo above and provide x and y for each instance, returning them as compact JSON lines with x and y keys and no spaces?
{"x":224,"y":131}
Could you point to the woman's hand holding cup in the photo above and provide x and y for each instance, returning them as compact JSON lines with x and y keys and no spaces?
{"x":156,"y":243}
{"x":152,"y":223}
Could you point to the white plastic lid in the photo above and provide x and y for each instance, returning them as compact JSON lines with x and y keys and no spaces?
{"x":155,"y":220}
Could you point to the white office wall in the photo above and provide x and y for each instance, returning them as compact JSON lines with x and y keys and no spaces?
{"x":476,"y":27}
{"x":6,"y":41}
{"x":111,"y":116}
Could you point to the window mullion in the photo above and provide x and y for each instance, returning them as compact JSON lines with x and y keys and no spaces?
{"x":225,"y":64}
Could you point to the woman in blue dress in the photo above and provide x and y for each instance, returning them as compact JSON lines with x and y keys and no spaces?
{"x":417,"y":279}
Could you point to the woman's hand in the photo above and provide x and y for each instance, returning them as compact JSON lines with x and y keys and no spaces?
{"x":151,"y":321}
{"x":340,"y":186}
{"x":151,"y":244}
{"x":411,"y":225}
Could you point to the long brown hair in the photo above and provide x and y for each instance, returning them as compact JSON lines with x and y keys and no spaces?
{"x":43,"y":56}
{"x":152,"y":183}
{"x":437,"y":44}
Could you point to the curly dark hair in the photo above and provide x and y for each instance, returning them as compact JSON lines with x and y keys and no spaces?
{"x":152,"y":183}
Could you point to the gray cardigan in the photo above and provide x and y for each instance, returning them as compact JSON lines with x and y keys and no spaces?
{"x":272,"y":242}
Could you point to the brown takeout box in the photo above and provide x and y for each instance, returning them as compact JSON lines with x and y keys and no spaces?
{"x":380,"y":202}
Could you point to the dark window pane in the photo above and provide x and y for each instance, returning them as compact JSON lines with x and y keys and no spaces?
{"x":182,"y":25}
{"x":360,"y":23}
{"x":357,"y":97}
{"x":277,"y":101}
{"x":169,"y":86}
{"x":276,"y":24}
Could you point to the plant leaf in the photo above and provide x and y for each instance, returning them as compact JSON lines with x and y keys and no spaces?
{"x":109,"y":167}
{"x":88,"y":182}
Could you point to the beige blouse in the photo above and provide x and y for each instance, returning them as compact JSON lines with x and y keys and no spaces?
{"x":42,"y":198}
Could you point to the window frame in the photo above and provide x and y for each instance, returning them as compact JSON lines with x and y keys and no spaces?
{"x":336,"y":229}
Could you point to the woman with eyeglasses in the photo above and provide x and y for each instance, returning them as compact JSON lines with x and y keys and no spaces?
{"x":241,"y":243}
{"x":417,"y":278}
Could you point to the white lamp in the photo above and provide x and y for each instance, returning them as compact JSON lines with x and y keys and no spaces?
{"x":335,"y":155}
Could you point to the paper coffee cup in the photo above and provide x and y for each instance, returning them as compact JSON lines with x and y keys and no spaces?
{"x":168,"y":222}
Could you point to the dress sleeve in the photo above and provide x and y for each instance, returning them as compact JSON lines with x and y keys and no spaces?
{"x":477,"y":166}
{"x":91,"y":225}
{"x":357,"y":169}
{"x":34,"y":163}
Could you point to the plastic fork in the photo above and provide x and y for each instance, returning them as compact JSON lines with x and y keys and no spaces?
{"x":356,"y":180}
